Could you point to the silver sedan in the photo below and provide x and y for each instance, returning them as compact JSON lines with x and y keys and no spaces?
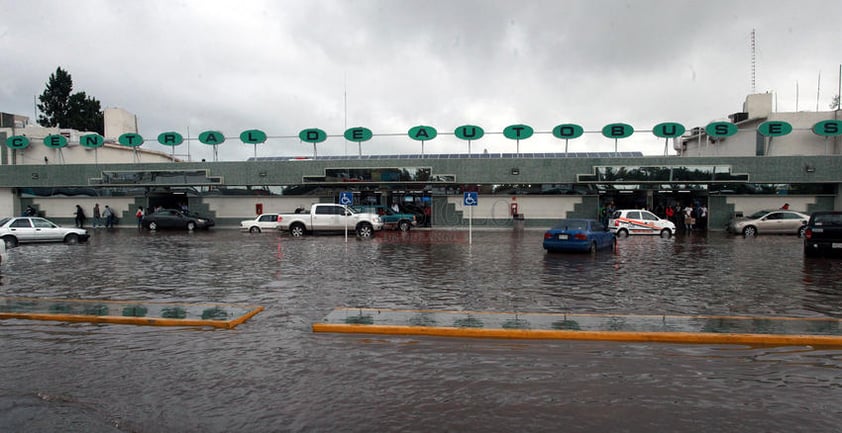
{"x":778,"y":221}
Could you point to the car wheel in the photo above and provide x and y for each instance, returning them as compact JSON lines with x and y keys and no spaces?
{"x":666,"y":233}
{"x":801,"y":231}
{"x":10,"y":241}
{"x":622,"y":233}
{"x":592,"y":248}
{"x":71,"y":238}
{"x":404,"y":226}
{"x":365,"y":231}
{"x":749,"y":231}
{"x":153,"y":226}
{"x":254,"y":229}
{"x":296,"y":230}
{"x":191,"y":226}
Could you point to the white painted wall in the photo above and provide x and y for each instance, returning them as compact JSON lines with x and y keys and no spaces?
{"x":532,"y":207}
{"x":243,"y":207}
{"x":7,"y":203}
{"x":65,"y":207}
{"x":118,"y":122}
{"x":750,"y":204}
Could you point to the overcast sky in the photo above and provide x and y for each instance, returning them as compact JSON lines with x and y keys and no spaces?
{"x":284,"y":66}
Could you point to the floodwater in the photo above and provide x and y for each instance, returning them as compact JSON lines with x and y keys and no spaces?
{"x":272,"y":374}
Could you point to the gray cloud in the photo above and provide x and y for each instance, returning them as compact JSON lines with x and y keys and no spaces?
{"x":286,"y":66}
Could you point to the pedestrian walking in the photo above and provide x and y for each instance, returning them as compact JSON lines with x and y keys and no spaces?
{"x":97,"y":216}
{"x":109,"y":217}
{"x":80,"y":217}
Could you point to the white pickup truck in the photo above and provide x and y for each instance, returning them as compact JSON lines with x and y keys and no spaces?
{"x":328,"y":217}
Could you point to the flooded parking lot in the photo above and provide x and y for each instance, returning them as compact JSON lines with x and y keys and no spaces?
{"x":273,"y":374}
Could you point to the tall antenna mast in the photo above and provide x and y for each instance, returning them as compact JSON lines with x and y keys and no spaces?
{"x":753,"y":60}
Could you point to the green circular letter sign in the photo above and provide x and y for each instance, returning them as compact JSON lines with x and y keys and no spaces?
{"x":567,"y":131}
{"x":721,"y":129}
{"x":358,"y":134}
{"x":422,"y":133}
{"x":55,"y":141}
{"x":91,"y":140}
{"x":774,"y":128}
{"x":617,"y":130}
{"x":253,"y":136}
{"x":312,"y":135}
{"x":668,"y":130}
{"x":518,"y":132}
{"x":130,"y":139}
{"x":828,"y":128}
{"x":469,"y":132}
{"x":170,"y":138}
{"x":211,"y":138}
{"x":17,"y":142}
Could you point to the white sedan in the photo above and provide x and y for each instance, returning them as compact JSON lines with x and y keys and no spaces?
{"x":266,"y":221}
{"x":14,"y":231}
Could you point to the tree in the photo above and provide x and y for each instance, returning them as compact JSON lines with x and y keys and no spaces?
{"x":834,"y":105}
{"x":84,"y":113}
{"x":60,"y":108}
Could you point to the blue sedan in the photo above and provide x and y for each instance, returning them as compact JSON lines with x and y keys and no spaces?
{"x":583,"y":235}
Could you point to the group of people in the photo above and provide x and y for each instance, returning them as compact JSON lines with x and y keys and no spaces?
{"x":693,"y":216}
{"x":107,"y":214}
{"x":688,"y":218}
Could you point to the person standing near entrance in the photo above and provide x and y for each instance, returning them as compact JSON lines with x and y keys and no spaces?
{"x":669,"y":212}
{"x":139,"y":216}
{"x":97,"y":216}
{"x":702,"y":220}
{"x":689,"y":221}
{"x":109,"y":217}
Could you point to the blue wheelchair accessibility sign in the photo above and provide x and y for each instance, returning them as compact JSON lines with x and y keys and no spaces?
{"x":470,"y":199}
{"x":346,"y":198}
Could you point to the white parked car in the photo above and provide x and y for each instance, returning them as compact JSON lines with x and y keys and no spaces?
{"x":266,"y":221}
{"x":626,"y":222}
{"x":18,"y":230}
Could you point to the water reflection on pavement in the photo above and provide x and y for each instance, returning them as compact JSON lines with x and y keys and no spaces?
{"x":273,"y":374}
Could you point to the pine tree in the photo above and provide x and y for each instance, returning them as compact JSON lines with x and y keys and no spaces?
{"x":60,"y":108}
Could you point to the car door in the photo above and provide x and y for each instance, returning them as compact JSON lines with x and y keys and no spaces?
{"x":268,"y":221}
{"x":326,"y":218}
{"x":165,"y":219}
{"x":652,"y":222}
{"x":635,"y":222}
{"x":23,"y":230}
{"x":792,"y":222}
{"x":772,"y":223}
{"x":46,"y":231}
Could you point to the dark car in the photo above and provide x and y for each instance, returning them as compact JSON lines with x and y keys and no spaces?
{"x":176,"y":219}
{"x":823,"y":234}
{"x":582,"y":235}
{"x":391,"y":219}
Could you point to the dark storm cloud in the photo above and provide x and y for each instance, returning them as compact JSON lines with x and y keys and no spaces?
{"x":390,"y":65}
